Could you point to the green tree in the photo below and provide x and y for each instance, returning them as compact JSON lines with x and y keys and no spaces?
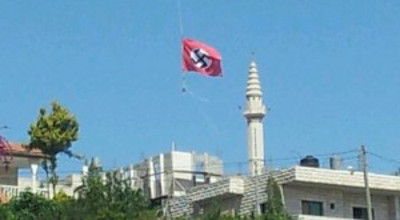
{"x":5,"y":213}
{"x":274,"y":208}
{"x":111,"y":198}
{"x":29,"y":206}
{"x":214,"y":211}
{"x":53,"y":133}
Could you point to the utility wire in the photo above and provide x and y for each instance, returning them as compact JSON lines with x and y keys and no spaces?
{"x":243,"y":162}
{"x":384,"y":157}
{"x":316,"y":155}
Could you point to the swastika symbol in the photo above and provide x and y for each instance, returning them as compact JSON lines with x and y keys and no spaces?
{"x":200,"y":58}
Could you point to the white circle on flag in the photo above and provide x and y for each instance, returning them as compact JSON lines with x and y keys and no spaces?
{"x":200,"y":58}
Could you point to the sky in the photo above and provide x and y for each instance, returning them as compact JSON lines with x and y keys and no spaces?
{"x":329,"y":72}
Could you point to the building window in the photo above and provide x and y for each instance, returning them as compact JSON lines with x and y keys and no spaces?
{"x":362,"y":213}
{"x":199,"y":166}
{"x":263,"y":207}
{"x":312,"y":208}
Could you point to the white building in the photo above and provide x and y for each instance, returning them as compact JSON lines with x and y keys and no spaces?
{"x":172,"y":174}
{"x":161,"y":176}
{"x":308,"y":193}
{"x":19,"y":158}
{"x":316,"y":193}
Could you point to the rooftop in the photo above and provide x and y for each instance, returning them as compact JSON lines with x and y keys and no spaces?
{"x":19,"y":150}
{"x":339,"y":178}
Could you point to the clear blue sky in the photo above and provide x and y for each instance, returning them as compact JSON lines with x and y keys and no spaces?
{"x":329,"y":71}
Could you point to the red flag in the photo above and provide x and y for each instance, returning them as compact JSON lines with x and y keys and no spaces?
{"x":201,"y":58}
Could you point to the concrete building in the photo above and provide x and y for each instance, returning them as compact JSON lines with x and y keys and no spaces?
{"x":67,"y":184}
{"x":159,"y":177}
{"x":172,"y":174}
{"x":315,"y":193}
{"x":19,"y":158}
{"x":309,"y":193}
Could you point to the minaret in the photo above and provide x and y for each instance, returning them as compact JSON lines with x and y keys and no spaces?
{"x":254,"y":113}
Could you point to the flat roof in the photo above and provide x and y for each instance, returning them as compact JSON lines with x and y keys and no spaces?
{"x":338,"y":178}
{"x":19,"y":150}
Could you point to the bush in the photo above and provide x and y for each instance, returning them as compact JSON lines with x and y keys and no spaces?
{"x":112,"y":199}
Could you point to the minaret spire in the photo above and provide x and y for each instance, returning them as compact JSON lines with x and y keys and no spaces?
{"x":254,"y":113}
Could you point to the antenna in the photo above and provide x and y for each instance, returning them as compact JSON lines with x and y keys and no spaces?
{"x":142,"y":155}
{"x":173,"y":146}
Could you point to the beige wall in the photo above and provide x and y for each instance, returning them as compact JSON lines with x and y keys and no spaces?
{"x":8,"y":176}
{"x":343,"y":201}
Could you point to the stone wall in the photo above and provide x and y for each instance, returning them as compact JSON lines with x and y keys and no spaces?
{"x":196,"y":199}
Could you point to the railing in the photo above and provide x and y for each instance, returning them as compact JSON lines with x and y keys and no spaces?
{"x":313,"y":217}
{"x":9,"y":191}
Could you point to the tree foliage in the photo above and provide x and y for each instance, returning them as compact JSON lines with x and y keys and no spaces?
{"x":112,"y":198}
{"x":28,"y":206}
{"x":53,"y":133}
{"x":274,"y":208}
{"x":97,"y":199}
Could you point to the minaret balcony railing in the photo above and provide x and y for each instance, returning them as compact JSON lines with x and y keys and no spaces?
{"x":255,"y":112}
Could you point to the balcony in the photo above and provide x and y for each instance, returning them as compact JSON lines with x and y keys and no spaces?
{"x":225,"y":187}
{"x":9,"y":191}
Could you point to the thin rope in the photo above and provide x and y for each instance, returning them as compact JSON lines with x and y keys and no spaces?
{"x":185,"y":89}
{"x":180,"y":18}
{"x":184,"y":86}
{"x":199,"y":98}
{"x":181,"y":32}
